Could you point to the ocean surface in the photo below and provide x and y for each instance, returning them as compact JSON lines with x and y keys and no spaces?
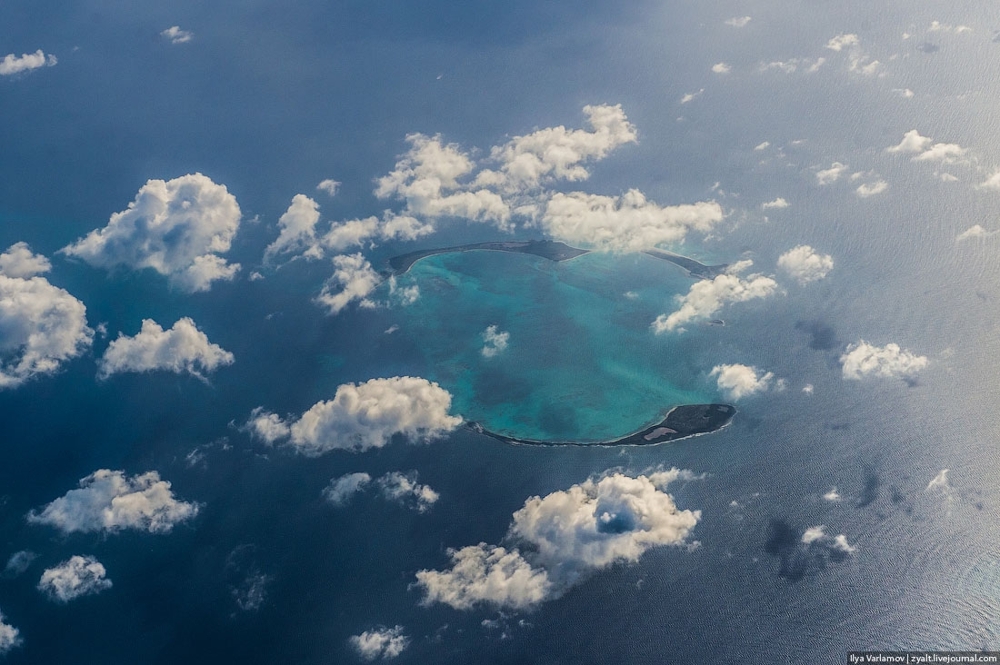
{"x":269,"y":572}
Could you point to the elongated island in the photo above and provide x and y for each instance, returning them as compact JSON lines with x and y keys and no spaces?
{"x":680,"y":423}
{"x":552,"y":250}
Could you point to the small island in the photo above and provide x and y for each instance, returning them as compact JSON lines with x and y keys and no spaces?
{"x":547,"y":249}
{"x":681,"y":422}
{"x":552,"y":250}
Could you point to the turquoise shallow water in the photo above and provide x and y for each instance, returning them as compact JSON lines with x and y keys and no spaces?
{"x":581,"y":363}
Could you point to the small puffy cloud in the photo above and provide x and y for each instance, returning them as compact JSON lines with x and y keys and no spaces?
{"x":763,"y":146}
{"x":627,"y":223}
{"x":363,"y":416}
{"x":110,"y":501}
{"x":429,"y":179}
{"x":182,"y":348}
{"x":924,"y":149}
{"x":485,"y":574}
{"x":738,"y":21}
{"x":905,"y":93}
{"x":380,"y":643}
{"x":708,"y":296}
{"x":939,"y":482}
{"x":565,"y":536}
{"x":10,"y":637}
{"x":20,"y":261}
{"x":862,"y":360}
{"x":738,"y":381}
{"x":975,"y":231}
{"x":691,"y":96}
{"x":776,"y":204}
{"x":406,"y":491}
{"x":495,"y":341}
{"x":832,"y":174}
{"x":721,"y":68}
{"x":806,"y":553}
{"x":12,"y":64}
{"x":842,"y":41}
{"x":267,"y":426}
{"x":816,"y":535}
{"x":330,"y":186}
{"x":176,"y":227}
{"x":993,"y":182}
{"x":341,"y":490}
{"x":558,"y":153}
{"x":41,"y":326}
{"x":78,"y":576}
{"x":937,"y":26}
{"x":805,"y":264}
{"x":912,"y":142}
{"x":297,"y":229}
{"x":833,"y":495}
{"x":175,"y":35}
{"x":353,"y":278}
{"x":865,"y":190}
{"x":18,"y":563}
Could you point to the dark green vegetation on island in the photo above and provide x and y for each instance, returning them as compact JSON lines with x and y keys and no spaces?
{"x":693,"y":268}
{"x":552,"y":250}
{"x":547,"y":249}
{"x":680,"y":423}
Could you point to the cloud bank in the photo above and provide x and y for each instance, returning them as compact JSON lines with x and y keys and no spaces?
{"x":109,"y":501}
{"x":180,"y":349}
{"x":363,"y":416}
{"x":176,"y":227}
{"x":76,"y":577}
{"x":563,"y":537}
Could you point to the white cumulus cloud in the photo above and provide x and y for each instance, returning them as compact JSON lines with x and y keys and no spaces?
{"x":626,"y":223}
{"x":738,"y":381}
{"x":993,"y":182}
{"x":721,"y":68}
{"x":805,"y":264}
{"x":862,"y":360}
{"x":10,"y":636}
{"x":776,"y":204}
{"x":110,"y":501}
{"x":175,"y":35}
{"x":495,"y":341}
{"x":866,"y":190}
{"x":363,"y":416}
{"x":20,"y":261}
{"x":41,"y":326}
{"x":12,"y":64}
{"x":924,"y":149}
{"x":78,"y":576}
{"x":342,"y":489}
{"x":380,"y":643}
{"x":406,"y":491}
{"x":832,"y":174}
{"x":330,"y":186}
{"x":563,"y":537}
{"x":176,"y":227}
{"x":353,"y":279}
{"x":708,"y":296}
{"x":297,"y":229}
{"x":182,"y":348}
{"x":842,"y":41}
{"x":975,"y":231}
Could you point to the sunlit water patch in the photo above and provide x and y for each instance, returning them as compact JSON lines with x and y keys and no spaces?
{"x":579,"y":362}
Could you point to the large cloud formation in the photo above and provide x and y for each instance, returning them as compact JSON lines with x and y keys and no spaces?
{"x":380,"y":643}
{"x":78,"y":576}
{"x":41,"y":325}
{"x":563,"y":537}
{"x":628,"y":222}
{"x":110,"y":501}
{"x":862,"y":360}
{"x":708,"y":296}
{"x":805,"y":264}
{"x":182,"y":348}
{"x":363,"y":416}
{"x":10,"y":636}
{"x":176,"y":227}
